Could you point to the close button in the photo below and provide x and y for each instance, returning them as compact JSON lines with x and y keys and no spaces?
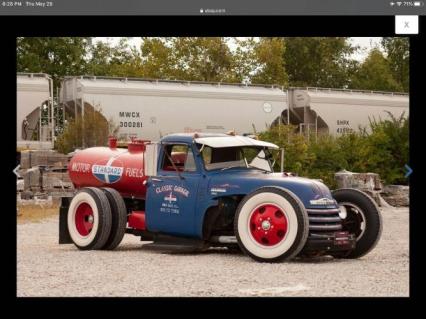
{"x":406,"y":24}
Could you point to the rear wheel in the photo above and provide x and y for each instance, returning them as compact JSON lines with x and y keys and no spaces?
{"x":271,"y":225}
{"x":119,"y":218}
{"x":89,"y":219}
{"x":363,"y":220}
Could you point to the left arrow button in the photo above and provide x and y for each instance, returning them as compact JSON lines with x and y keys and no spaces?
{"x":16,"y":171}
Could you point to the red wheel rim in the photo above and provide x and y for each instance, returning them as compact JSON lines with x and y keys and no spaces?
{"x":268,"y":225}
{"x":84,"y":219}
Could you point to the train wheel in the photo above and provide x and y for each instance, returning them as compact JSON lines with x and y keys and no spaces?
{"x":271,"y":225}
{"x":362,"y":219}
{"x":119,"y":218}
{"x":89,"y":219}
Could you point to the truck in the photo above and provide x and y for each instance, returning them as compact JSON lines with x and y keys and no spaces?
{"x":201,"y":190}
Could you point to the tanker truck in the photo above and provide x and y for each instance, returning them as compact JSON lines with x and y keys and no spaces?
{"x":200,"y":190}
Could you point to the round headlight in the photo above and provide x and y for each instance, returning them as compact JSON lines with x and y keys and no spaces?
{"x":342,"y":212}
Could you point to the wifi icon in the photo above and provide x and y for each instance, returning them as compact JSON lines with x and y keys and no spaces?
{"x":399,"y":3}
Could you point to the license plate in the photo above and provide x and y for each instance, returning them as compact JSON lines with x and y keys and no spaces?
{"x":341,"y":238}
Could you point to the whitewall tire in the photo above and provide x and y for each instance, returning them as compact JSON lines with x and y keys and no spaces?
{"x":89,"y":219}
{"x":271,"y":224}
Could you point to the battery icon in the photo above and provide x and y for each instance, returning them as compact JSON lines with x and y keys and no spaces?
{"x":418,"y":3}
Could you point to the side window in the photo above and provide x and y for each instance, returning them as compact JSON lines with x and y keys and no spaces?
{"x":182,"y":158}
{"x":190,"y":162}
{"x":207,"y":155}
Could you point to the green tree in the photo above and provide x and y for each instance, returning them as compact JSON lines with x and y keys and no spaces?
{"x":268,"y":62}
{"x":98,"y":63}
{"x":56,"y":56}
{"x":397,"y":50}
{"x":318,"y":61}
{"x":203,"y":59}
{"x":375,"y":74}
{"x":120,"y":60}
{"x":188,"y":58}
{"x":157,"y":55}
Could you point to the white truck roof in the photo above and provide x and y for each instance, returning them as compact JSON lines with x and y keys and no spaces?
{"x":233,"y":141}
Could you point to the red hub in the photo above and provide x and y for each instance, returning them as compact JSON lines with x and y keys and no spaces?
{"x":268,"y":224}
{"x":84,"y":219}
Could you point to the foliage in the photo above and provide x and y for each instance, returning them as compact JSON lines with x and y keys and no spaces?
{"x":294,"y":61}
{"x":382,"y":149}
{"x":121,"y":60}
{"x":91,"y":130}
{"x":397,"y":50}
{"x":387,"y":148}
{"x":263,"y":60}
{"x":156,"y":56}
{"x":375,"y":74}
{"x":56,"y":56}
{"x":318,"y":61}
{"x":297,"y":157}
{"x":328,"y":159}
{"x":202,"y":59}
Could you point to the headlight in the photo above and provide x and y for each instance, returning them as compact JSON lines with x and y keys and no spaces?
{"x":342,"y":212}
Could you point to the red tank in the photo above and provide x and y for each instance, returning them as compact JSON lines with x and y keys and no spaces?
{"x":118,"y":168}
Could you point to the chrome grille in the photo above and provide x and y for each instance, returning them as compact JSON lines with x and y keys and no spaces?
{"x":324,"y":219}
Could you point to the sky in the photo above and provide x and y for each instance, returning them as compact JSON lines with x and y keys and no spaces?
{"x":365,"y":43}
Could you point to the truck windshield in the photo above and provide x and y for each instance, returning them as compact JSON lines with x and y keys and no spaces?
{"x":230,"y":157}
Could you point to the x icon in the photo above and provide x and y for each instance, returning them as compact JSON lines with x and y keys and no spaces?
{"x":408,"y":24}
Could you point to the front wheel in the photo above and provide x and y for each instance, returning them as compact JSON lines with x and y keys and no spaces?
{"x":271,"y":225}
{"x":362,"y":218}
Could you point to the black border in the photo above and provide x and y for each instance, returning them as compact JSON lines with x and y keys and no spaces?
{"x":214,"y":26}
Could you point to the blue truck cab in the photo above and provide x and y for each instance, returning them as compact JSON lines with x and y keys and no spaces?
{"x":204,"y":183}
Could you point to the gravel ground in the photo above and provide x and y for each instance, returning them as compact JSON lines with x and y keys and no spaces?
{"x":45,"y":268}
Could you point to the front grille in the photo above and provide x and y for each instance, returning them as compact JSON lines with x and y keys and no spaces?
{"x":325,"y":230}
{"x":324,"y":220}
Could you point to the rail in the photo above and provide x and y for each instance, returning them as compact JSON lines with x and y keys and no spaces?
{"x":270,"y":86}
{"x":32,"y":75}
{"x":317,"y":89}
{"x":125,"y":79}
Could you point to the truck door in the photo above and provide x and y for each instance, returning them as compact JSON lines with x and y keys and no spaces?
{"x":172,"y":194}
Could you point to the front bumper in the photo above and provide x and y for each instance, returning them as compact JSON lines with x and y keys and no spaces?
{"x":330,"y":242}
{"x":325,"y":232}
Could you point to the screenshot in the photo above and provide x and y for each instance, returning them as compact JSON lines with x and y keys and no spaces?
{"x":238,"y":149}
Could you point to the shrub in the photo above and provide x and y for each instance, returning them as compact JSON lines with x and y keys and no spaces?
{"x":297,"y":157}
{"x":383,"y":150}
{"x":388,"y":148}
{"x":328,"y":159}
{"x":91,"y":130}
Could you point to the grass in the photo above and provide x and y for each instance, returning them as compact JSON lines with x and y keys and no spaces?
{"x":33,"y":213}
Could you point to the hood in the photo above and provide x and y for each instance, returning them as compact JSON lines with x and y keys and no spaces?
{"x":238,"y":182}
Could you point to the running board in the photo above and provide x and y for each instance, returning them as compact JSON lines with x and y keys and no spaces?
{"x":174,"y":247}
{"x":172,"y":243}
